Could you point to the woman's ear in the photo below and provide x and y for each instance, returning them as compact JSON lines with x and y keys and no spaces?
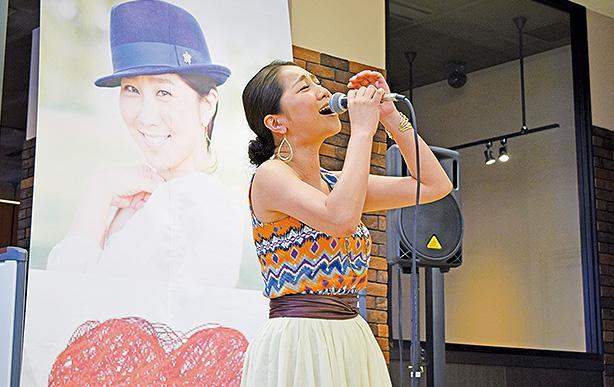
{"x":208,"y":105}
{"x":275,"y":123}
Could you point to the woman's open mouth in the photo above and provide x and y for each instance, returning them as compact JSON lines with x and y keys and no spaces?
{"x":326,"y":110}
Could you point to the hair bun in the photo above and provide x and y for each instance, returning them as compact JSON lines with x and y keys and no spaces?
{"x":260,"y":150}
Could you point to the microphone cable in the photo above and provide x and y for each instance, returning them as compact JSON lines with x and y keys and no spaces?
{"x":338,"y":104}
{"x":415,"y":350}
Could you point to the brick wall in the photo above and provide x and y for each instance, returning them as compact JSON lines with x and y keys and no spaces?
{"x":603,"y":159}
{"x":24,"y":217}
{"x":334,"y":74}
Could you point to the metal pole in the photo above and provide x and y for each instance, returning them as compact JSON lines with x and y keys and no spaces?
{"x":435,"y":328}
{"x":520,"y":22}
{"x":410,"y":56}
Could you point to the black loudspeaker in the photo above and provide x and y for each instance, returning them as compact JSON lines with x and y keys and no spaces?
{"x":440,"y":223}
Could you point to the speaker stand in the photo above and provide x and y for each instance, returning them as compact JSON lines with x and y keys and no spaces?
{"x":435,"y":328}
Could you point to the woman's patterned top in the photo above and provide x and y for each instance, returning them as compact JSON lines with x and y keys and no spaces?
{"x":298,"y":259}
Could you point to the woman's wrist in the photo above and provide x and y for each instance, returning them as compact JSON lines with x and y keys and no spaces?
{"x":396,"y":125}
{"x":362,"y":133}
{"x":391,"y":120}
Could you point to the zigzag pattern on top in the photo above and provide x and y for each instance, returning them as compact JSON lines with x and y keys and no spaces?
{"x":338,"y":261}
{"x":296,"y":258}
{"x":312,"y":274}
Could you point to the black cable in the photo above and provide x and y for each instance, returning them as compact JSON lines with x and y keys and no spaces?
{"x":415,"y":373}
{"x":400,"y":317}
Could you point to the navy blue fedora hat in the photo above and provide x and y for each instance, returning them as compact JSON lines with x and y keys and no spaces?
{"x":150,"y":37}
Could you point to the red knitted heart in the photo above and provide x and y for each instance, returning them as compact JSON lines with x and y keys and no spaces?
{"x":132,"y":351}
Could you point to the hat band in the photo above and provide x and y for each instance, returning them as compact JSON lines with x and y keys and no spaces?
{"x":139,"y":54}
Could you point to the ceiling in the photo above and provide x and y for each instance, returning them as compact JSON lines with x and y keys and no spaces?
{"x":480,"y":33}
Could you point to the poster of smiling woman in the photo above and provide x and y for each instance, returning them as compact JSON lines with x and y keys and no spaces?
{"x":142,"y":269}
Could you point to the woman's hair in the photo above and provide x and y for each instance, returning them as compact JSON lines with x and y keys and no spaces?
{"x":261,"y":97}
{"x":202,"y":85}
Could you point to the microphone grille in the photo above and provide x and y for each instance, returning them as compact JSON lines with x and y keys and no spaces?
{"x":336,"y":103}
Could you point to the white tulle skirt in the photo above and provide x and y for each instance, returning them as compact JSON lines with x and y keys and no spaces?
{"x":294,"y":352}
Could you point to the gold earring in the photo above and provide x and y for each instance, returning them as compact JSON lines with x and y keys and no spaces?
{"x":211,"y":153}
{"x":290,"y":152}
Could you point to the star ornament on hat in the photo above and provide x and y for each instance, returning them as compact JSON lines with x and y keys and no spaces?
{"x":151,"y":37}
{"x":187,"y":58}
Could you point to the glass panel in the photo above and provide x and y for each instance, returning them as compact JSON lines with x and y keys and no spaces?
{"x":520,"y":284}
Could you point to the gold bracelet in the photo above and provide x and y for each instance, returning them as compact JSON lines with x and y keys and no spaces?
{"x":404,"y":126}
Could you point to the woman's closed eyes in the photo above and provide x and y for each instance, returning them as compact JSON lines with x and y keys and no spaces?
{"x":306,"y":86}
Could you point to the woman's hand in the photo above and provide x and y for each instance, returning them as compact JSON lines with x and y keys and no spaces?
{"x":125,"y":188}
{"x":130,"y":190}
{"x":369,"y":77}
{"x":130,"y":187}
{"x":363,"y":108}
{"x":125,"y":212}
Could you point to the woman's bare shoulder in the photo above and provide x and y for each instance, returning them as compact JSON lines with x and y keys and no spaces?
{"x":274,"y":169}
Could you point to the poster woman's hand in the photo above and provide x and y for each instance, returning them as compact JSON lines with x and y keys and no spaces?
{"x":128,"y":207}
{"x":125,"y":188}
{"x":128,"y":187}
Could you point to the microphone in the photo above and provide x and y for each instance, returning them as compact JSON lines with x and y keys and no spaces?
{"x":339,"y":102}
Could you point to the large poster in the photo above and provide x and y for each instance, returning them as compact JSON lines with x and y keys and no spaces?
{"x":142,"y":265}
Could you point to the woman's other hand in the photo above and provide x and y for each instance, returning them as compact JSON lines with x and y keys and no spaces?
{"x":369,"y":77}
{"x":363,"y":108}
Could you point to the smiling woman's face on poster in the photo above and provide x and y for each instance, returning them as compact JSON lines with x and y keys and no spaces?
{"x":140,"y":206}
{"x":169,"y":121}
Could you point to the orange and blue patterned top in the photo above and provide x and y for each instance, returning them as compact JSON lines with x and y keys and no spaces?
{"x":298,"y":259}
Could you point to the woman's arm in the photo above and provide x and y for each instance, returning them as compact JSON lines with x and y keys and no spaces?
{"x":277,"y":188}
{"x":386,"y":192}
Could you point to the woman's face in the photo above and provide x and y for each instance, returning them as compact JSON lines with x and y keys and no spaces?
{"x":302,"y":100}
{"x":167,"y":120}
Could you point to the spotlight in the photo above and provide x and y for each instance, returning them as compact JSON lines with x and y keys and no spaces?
{"x":488,"y":155}
{"x":503,"y":155}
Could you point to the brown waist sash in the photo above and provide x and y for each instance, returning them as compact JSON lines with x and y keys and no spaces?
{"x":330,"y":307}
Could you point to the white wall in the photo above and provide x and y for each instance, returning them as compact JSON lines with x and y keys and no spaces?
{"x":349,"y":29}
{"x":605,"y":7}
{"x":520,"y":283}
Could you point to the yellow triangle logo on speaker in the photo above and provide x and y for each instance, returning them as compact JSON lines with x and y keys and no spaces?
{"x":434,"y":243}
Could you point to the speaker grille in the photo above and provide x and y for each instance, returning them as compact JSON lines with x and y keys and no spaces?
{"x":440,"y":232}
